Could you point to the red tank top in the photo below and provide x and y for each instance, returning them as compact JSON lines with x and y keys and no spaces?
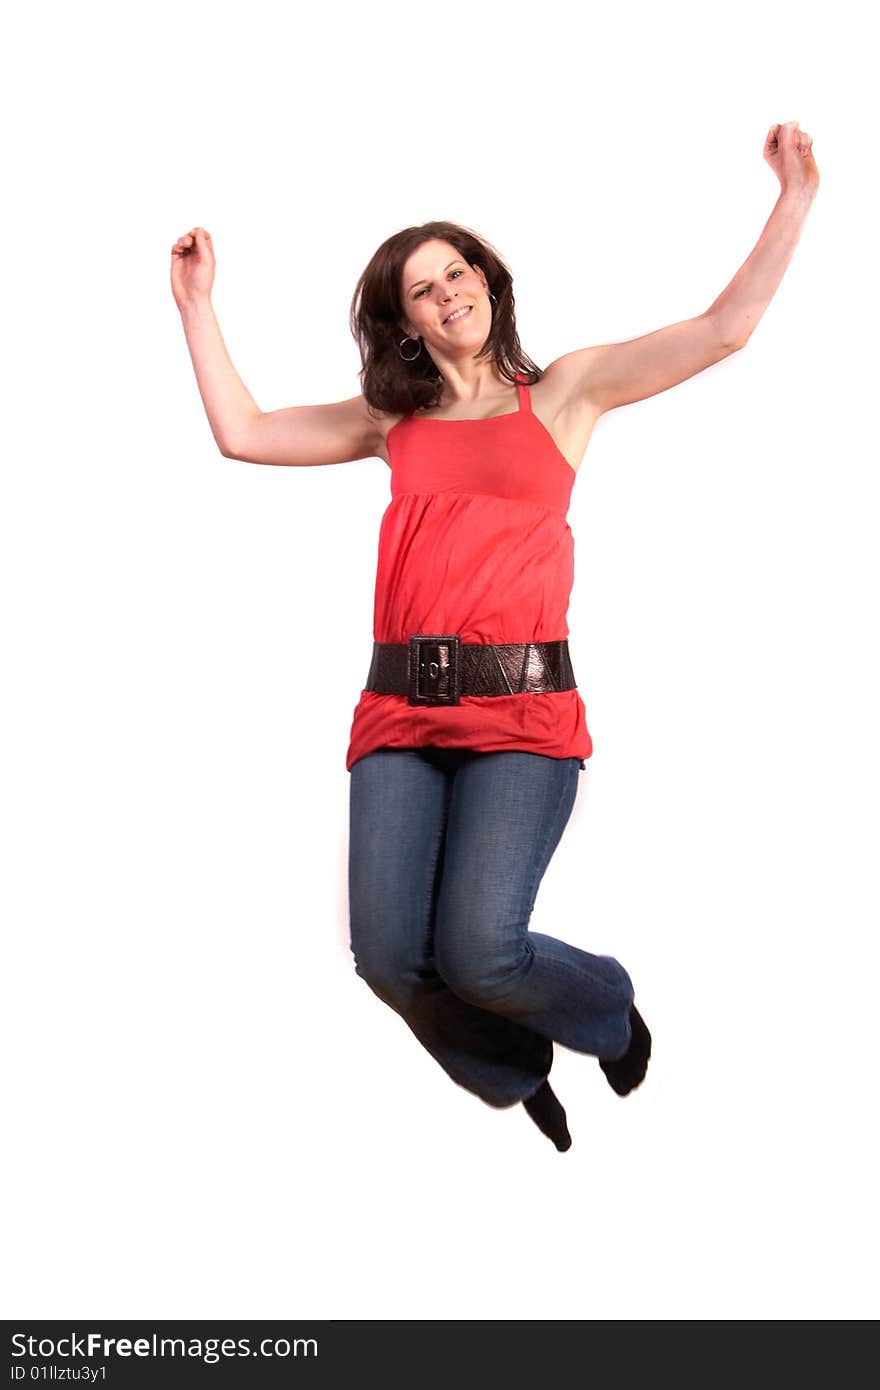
{"x":475,"y":541}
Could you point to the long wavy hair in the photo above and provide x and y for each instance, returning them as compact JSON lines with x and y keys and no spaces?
{"x":391,"y":384}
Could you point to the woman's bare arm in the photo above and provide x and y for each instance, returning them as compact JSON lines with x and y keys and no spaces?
{"x":617,"y":374}
{"x":298,"y":435}
{"x":227,"y":401}
{"x":306,"y":435}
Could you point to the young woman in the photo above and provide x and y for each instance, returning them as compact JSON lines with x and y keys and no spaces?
{"x":469,"y":734}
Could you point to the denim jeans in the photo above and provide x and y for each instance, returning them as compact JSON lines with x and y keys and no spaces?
{"x":447,"y":848}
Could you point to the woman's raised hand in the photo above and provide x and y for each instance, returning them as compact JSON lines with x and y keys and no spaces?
{"x":789,"y":152}
{"x":192,"y":266}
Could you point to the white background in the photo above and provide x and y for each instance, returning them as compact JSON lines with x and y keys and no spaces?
{"x":210,"y":1114}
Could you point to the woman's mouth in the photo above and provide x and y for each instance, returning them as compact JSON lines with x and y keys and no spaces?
{"x":458,"y":314}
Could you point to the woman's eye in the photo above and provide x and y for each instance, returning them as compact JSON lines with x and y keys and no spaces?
{"x":427,"y":287}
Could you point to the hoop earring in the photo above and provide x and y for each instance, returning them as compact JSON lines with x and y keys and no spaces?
{"x":492,"y":297}
{"x":415,"y":354}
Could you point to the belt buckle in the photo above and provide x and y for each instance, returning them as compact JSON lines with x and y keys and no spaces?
{"x":434,"y":669}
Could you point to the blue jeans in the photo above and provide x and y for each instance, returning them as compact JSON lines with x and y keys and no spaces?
{"x":447,"y":848}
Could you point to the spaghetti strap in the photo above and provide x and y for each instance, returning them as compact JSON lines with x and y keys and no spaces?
{"x":525,"y":400}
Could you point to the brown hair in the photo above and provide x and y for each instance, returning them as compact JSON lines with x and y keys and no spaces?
{"x":388,"y":382}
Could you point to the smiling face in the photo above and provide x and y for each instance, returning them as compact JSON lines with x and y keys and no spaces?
{"x":437,"y":283}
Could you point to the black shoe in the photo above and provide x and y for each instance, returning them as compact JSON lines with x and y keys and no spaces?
{"x":549,"y":1116}
{"x":625,"y":1073}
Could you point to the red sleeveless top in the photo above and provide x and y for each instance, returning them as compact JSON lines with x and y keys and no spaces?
{"x":475,"y":541}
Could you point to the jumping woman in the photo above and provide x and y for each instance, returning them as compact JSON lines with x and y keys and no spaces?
{"x":469,"y":734}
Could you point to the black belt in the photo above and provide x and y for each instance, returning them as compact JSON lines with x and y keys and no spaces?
{"x":438,"y":668}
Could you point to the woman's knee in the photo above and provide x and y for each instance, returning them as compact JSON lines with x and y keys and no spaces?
{"x":396,"y":979}
{"x":619,"y":981}
{"x":479,"y":976}
{"x":376,"y":969}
